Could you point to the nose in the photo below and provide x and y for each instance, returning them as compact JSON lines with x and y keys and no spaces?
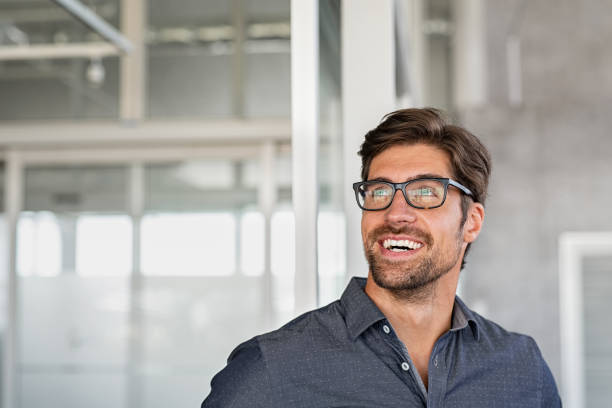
{"x":400,"y":212}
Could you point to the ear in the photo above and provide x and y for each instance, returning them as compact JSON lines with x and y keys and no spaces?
{"x":473,"y":222}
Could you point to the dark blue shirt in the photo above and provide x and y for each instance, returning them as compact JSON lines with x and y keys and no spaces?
{"x":347,"y":354}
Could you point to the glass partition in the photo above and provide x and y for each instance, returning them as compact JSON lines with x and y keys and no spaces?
{"x":74,"y":258}
{"x":59,"y":89}
{"x":152,"y":336}
{"x":204,"y":59}
{"x":218,"y":59}
{"x":203,"y":273}
{"x":57,"y":86}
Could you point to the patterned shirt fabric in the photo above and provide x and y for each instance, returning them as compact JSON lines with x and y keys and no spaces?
{"x":347,"y":354}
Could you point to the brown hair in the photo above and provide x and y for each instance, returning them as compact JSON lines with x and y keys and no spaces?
{"x":469,"y":159}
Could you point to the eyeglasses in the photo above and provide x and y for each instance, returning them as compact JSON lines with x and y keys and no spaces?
{"x":423,"y":193}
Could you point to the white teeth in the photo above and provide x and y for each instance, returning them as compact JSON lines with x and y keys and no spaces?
{"x":405,"y":243}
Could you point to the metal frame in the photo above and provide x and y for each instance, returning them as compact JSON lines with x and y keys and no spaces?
{"x":151,"y":132}
{"x":129,"y":155}
{"x":238,"y":57}
{"x":267,"y":198}
{"x":573,"y":247}
{"x":57,"y":51}
{"x":93,"y":21}
{"x":12,"y":203}
{"x":305,"y":143}
{"x":136,"y":196}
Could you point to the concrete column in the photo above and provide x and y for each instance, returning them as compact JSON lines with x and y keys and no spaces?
{"x":238,"y":58}
{"x":305,"y":145}
{"x":67,"y":224}
{"x":368,"y":92}
{"x":133,"y":80}
{"x":135,"y":354}
{"x":266,"y":199}
{"x":13,"y":202}
{"x":411,"y":47}
{"x":469,"y":54}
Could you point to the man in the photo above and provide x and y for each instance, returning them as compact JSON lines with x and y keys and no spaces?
{"x":400,"y":338}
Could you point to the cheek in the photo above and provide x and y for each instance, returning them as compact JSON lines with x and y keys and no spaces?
{"x":368,"y":223}
{"x":447,"y":229}
{"x":453,"y":217}
{"x":364,"y":226}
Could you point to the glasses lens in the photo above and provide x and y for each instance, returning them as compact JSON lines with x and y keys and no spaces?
{"x":374,"y":196}
{"x":425,"y":193}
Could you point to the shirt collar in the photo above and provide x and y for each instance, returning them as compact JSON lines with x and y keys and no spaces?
{"x":361,"y":312}
{"x":462,"y":317}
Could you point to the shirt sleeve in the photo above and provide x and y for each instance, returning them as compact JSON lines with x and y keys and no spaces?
{"x":244,"y":382}
{"x":550,"y":394}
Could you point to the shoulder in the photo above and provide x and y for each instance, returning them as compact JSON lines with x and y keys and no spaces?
{"x":318,"y":328}
{"x":243,"y":381}
{"x":256,"y":367}
{"x":495,"y":338}
{"x":516,"y":358}
{"x":489,"y":338}
{"x":315,"y":319}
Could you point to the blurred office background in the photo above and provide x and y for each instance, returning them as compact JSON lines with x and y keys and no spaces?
{"x":178,"y":180}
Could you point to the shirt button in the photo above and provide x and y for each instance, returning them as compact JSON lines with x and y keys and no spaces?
{"x":386,"y":329}
{"x":436,"y":361}
{"x":405,"y":366}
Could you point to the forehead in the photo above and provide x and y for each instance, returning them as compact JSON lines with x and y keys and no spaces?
{"x":401,"y":162}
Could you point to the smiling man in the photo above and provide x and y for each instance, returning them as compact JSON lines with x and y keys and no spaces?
{"x":401,"y":337}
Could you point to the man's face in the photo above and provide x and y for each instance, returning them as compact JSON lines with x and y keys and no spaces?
{"x":435,"y":234}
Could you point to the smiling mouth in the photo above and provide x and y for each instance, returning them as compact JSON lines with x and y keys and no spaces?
{"x":401,"y":245}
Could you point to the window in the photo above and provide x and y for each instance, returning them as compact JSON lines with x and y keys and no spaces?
{"x":103,"y":245}
{"x":39,"y":244}
{"x":189,"y":244}
{"x":252,"y":256}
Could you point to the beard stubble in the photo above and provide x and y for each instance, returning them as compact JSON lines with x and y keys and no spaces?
{"x":412,"y":282}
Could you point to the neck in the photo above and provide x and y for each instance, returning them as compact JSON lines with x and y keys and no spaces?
{"x":427,"y":310}
{"x":420,"y":318}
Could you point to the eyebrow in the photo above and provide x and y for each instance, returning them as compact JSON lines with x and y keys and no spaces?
{"x":418,"y":176}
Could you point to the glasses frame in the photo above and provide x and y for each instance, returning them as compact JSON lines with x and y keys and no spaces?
{"x":402,"y":187}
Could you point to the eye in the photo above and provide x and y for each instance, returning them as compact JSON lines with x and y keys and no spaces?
{"x":424,"y":191}
{"x":377,"y":192}
{"x":380,"y":192}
